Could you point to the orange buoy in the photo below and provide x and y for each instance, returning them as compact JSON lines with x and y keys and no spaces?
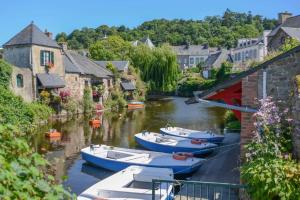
{"x":135,"y":105}
{"x":53,"y":133}
{"x":196,"y":141}
{"x":95,"y":122}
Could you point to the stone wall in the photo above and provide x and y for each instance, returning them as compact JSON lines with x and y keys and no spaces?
{"x":280,"y":76}
{"x":281,"y":86}
{"x":249,"y":95}
{"x":18,"y":56}
{"x":58,"y":62}
{"x":276,"y":41}
{"x":76,"y":83}
{"x":26,"y":92}
{"x":296,"y":117}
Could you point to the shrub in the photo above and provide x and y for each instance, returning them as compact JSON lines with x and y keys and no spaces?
{"x":14,"y":111}
{"x":41,"y":112}
{"x":5,"y":74}
{"x":45,"y":97}
{"x":70,"y":106}
{"x":269,"y":171}
{"x":87,"y":100}
{"x":21,"y":174}
{"x":271,"y":179}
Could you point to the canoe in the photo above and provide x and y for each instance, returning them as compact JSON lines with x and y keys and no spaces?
{"x":170,"y":144}
{"x":134,"y":182}
{"x":116,"y":159}
{"x":135,"y":104}
{"x":192,"y":134}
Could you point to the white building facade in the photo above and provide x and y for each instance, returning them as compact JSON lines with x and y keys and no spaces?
{"x":250,"y":49}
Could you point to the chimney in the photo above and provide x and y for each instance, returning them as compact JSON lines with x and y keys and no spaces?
{"x":64,"y":45}
{"x":49,"y":34}
{"x":205,"y":46}
{"x":282,"y":17}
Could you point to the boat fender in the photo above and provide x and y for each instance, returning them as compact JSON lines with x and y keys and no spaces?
{"x":182,"y":156}
{"x":196,"y":141}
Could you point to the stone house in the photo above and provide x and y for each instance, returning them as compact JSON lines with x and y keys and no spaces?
{"x":289,"y":27}
{"x":37,"y":63}
{"x":82,"y":72}
{"x":191,"y":55}
{"x":275,"y":78}
{"x":215,"y":60}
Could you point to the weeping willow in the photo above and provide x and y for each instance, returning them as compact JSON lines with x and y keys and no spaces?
{"x":158,"y":67}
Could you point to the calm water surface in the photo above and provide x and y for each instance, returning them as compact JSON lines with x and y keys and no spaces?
{"x":117,"y":129}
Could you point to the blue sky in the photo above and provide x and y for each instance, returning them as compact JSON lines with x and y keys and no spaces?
{"x":66,"y":15}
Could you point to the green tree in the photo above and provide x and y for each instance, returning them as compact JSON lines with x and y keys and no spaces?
{"x":61,"y":37}
{"x":111,"y":48}
{"x":158,"y":67}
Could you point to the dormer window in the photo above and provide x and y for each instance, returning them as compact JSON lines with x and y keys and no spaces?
{"x":47,"y":58}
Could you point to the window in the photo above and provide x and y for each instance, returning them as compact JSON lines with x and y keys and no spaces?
{"x":108,"y":83}
{"x":239,"y":56}
{"x":254,"y":53}
{"x":86,"y":83}
{"x":197,"y":60}
{"x":191,"y":61}
{"x":185,"y":60}
{"x":46,"y":57}
{"x":20,"y":81}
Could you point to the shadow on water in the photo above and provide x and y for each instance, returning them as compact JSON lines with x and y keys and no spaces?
{"x":117,"y":129}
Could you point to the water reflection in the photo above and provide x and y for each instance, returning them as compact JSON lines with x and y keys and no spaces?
{"x":116,"y":129}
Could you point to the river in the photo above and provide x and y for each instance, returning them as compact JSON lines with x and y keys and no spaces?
{"x":117,"y":129}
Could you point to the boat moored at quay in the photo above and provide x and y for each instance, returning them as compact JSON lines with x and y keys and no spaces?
{"x":116,"y":159}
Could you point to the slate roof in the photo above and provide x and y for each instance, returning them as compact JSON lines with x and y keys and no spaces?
{"x":293,"y":32}
{"x":291,"y":22}
{"x":120,"y":65}
{"x":240,"y":76}
{"x":191,"y":50}
{"x":128,"y":86}
{"x":76,"y":63}
{"x":216,"y":59}
{"x":31,"y":34}
{"x":51,"y":80}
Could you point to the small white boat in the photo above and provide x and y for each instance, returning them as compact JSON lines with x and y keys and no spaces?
{"x":134,"y":182}
{"x":192,"y":134}
{"x":171,"y":144}
{"x":116,"y":159}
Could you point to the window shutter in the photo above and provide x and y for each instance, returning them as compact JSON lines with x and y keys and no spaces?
{"x":42,"y":58}
{"x":52,"y":57}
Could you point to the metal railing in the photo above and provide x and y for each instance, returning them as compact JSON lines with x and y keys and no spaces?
{"x":195,"y":190}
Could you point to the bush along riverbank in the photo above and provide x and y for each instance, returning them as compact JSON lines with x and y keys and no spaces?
{"x":231,"y":122}
{"x":191,"y":80}
{"x":23,"y":172}
{"x":269,"y":170}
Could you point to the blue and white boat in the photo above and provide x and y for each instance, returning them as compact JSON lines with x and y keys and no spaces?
{"x":134,"y":183}
{"x":170,"y":144}
{"x":192,"y":134}
{"x":116,"y":159}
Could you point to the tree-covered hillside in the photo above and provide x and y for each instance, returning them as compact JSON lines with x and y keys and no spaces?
{"x":215,"y":30}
